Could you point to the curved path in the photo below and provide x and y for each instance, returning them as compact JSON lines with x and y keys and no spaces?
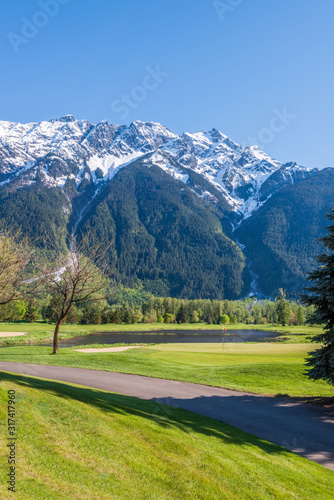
{"x":305,"y":429}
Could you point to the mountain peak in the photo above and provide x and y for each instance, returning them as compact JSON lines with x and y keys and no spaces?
{"x":64,"y":119}
{"x":238,"y":172}
{"x":216,"y":135}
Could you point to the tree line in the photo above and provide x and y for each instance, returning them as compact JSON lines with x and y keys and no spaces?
{"x":131,"y":306}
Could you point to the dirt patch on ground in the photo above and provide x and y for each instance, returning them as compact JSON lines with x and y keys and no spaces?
{"x":108,"y":349}
{"x":12,"y":334}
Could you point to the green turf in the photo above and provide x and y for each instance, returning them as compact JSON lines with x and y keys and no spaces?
{"x":270,"y":369}
{"x":79,"y":443}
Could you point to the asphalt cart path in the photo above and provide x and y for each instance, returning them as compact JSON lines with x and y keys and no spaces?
{"x":303,"y":428}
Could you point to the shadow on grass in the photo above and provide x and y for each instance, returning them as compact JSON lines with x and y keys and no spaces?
{"x":154,"y":410}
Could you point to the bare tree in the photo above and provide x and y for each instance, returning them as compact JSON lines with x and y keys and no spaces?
{"x":78,"y":274}
{"x":15,"y":256}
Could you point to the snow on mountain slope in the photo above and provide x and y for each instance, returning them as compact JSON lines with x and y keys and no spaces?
{"x":160,"y":160}
{"x":238,"y":171}
{"x":22,"y":143}
{"x":63,"y":149}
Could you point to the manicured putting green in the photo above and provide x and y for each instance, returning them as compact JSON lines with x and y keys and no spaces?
{"x":231,"y":353}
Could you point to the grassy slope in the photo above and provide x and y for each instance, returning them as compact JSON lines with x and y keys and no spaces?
{"x":75,"y":442}
{"x":259,"y":368}
{"x":43,"y":332}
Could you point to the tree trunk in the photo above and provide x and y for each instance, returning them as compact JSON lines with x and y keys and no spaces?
{"x":55,"y":337}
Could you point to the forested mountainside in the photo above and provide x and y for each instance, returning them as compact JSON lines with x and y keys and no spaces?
{"x":192,"y":216}
{"x":282,"y":237}
{"x":166,"y":236}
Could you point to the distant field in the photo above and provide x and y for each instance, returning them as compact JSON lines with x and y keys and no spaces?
{"x":43,"y":332}
{"x":263,"y":368}
{"x":76,"y":442}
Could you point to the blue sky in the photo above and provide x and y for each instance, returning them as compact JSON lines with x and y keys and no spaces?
{"x":260,"y":71}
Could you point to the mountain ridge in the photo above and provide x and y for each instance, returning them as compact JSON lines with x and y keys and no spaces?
{"x":214,"y":205}
{"x":100,"y":151}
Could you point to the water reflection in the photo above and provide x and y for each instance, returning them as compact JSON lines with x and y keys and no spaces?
{"x":170,"y":336}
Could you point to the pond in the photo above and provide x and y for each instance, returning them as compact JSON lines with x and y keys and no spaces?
{"x":170,"y":336}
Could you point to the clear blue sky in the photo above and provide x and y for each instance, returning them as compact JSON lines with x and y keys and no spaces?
{"x":229,"y":71}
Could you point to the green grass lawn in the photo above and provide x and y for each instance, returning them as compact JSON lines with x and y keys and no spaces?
{"x":79,"y":443}
{"x":263,"y":368}
{"x":41,"y":332}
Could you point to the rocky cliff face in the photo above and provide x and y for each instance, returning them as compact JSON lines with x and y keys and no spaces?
{"x":67,"y":149}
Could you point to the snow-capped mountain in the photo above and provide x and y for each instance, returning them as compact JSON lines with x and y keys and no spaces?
{"x":191,"y":215}
{"x":57,"y":151}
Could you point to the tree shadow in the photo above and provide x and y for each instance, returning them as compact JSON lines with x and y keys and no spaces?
{"x":155,"y":410}
{"x":325,"y":401}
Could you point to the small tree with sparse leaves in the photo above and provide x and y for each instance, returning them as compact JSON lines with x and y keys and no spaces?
{"x":16,"y":255}
{"x":78,"y":274}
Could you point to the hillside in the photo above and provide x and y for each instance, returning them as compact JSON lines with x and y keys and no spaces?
{"x":282,"y":236}
{"x":191,"y":215}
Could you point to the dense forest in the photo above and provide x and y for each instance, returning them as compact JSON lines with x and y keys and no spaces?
{"x":176,"y":241}
{"x":282,"y":237}
{"x":36,"y":212}
{"x":166,"y":236}
{"x":125,"y":305}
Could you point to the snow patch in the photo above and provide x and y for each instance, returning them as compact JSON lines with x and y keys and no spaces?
{"x":237,"y":171}
{"x":110,"y":164}
{"x":160,"y":161}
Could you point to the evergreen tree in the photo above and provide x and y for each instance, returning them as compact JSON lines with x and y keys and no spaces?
{"x":31,"y":314}
{"x":256,"y":310}
{"x":194,"y":317}
{"x":52,"y":310}
{"x":115,"y":316}
{"x":233,"y":319}
{"x":321,"y":361}
{"x":126,"y":315}
{"x":282,"y":308}
{"x":182,"y":315}
{"x":91,"y":314}
{"x":73,"y":316}
{"x":300,"y":316}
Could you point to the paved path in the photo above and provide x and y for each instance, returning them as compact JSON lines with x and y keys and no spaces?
{"x":305,"y":429}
